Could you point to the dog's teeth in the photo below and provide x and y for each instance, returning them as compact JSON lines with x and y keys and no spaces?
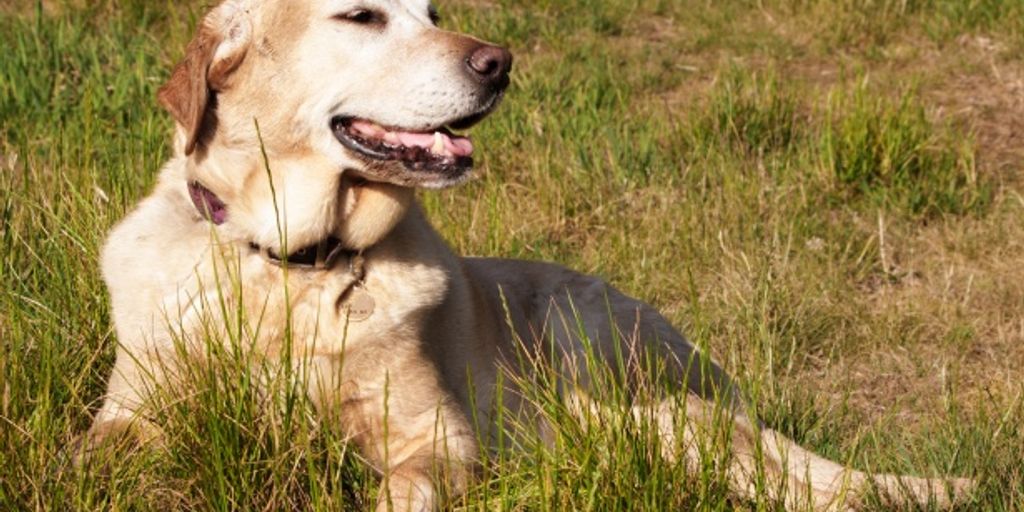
{"x":438,"y":147}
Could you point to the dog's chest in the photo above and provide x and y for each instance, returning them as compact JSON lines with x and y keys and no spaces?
{"x":313,"y":312}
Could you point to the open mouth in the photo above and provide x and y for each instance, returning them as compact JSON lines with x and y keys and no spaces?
{"x":429,"y":155}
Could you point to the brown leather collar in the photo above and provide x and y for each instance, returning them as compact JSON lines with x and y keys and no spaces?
{"x":320,"y":256}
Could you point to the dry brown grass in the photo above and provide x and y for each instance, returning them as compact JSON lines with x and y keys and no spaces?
{"x":959,"y":281}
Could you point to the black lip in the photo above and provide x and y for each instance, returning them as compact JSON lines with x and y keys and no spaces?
{"x":339,"y":125}
{"x":416,"y":160}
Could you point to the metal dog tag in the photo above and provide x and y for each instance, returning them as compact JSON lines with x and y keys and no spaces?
{"x":359,"y":305}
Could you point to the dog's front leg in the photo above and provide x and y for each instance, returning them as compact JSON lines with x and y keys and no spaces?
{"x":423,"y":454}
{"x":132,"y":379}
{"x":405,"y":423}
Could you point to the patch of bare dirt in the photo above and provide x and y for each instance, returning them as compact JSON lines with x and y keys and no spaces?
{"x":986,"y":92}
{"x":962,"y":293}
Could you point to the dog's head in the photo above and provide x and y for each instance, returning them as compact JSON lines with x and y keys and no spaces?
{"x":343,"y":91}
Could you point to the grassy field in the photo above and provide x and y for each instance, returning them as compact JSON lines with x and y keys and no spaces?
{"x":827,"y":195}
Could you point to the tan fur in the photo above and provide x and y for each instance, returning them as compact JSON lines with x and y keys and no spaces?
{"x":439,"y":320}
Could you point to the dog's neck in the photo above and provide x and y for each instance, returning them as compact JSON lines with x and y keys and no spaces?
{"x":321,"y":255}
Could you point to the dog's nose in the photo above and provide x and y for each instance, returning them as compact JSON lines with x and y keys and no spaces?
{"x":490,"y":65}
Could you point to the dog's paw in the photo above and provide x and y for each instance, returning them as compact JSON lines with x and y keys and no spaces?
{"x":110,"y":437}
{"x":403,"y":493}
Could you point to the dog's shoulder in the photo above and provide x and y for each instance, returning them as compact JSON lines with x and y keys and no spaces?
{"x":155,"y":231}
{"x":153,"y":249}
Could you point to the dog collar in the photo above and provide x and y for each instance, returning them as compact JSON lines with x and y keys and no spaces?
{"x":320,"y":256}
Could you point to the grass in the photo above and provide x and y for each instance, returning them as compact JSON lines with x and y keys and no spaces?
{"x":821,"y":193}
{"x":888,"y":150}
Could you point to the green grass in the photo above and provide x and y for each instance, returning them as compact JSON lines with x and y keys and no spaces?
{"x":889,"y":151}
{"x":786,"y":180}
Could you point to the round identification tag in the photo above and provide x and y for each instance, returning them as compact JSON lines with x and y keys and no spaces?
{"x":359,"y":305}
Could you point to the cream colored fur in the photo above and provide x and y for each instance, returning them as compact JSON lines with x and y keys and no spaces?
{"x":291,"y":66}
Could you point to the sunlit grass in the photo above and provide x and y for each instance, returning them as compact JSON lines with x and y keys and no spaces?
{"x":834,"y":242}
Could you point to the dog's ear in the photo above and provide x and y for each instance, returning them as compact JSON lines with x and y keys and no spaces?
{"x":216,"y":51}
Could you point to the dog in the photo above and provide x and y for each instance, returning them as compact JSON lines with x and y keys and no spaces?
{"x":302,"y":130}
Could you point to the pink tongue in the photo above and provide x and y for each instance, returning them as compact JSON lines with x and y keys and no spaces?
{"x":416,"y":139}
{"x":368,"y":128}
{"x":458,"y":146}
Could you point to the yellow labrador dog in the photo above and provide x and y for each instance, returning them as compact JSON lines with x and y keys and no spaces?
{"x":302,"y":129}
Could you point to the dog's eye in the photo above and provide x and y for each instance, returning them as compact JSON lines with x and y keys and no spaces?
{"x":362,"y":17}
